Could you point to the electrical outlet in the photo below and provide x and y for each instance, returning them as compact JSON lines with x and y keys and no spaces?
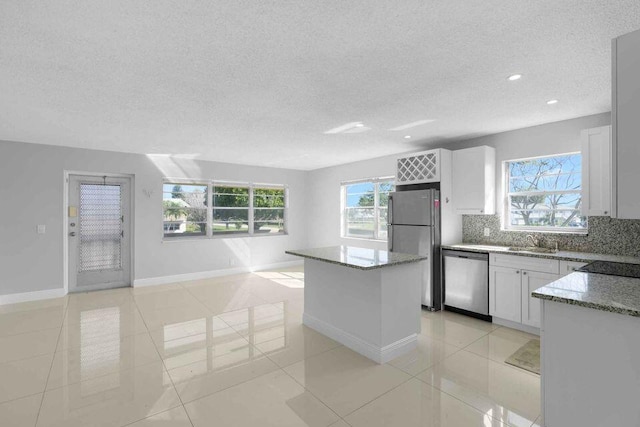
{"x":41,"y":229}
{"x":487,"y":232}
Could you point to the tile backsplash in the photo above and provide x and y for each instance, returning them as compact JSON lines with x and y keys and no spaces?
{"x":606,"y":235}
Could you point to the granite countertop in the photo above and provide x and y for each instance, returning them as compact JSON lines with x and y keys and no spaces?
{"x":560,"y":255}
{"x":354,"y":257}
{"x":615,"y":294}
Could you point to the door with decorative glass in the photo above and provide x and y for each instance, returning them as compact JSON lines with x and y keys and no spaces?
{"x":99,"y":227}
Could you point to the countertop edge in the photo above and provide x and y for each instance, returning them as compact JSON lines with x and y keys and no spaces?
{"x":588,"y":257}
{"x":591,"y":305}
{"x":357,"y":267}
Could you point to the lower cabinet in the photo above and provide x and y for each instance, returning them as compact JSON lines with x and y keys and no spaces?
{"x":512,"y":279}
{"x":505,"y":293}
{"x":532,"y":280}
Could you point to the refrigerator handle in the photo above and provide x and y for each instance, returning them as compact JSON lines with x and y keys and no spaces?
{"x":390,"y":237}
{"x":390,"y":210}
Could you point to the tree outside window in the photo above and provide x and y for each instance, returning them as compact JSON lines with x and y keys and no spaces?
{"x":545,"y":193}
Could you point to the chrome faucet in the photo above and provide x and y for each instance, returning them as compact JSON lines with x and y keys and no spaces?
{"x":534,"y":241}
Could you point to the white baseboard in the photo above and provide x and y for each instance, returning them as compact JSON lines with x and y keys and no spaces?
{"x":163,"y":280}
{"x":371,"y":351}
{"x":516,"y":325}
{"x":32,"y":296}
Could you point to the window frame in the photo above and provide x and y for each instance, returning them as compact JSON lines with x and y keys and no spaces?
{"x":376,"y":207}
{"x":211,"y":184}
{"x":506,"y":216}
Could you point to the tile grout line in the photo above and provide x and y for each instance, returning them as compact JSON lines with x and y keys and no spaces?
{"x":163,"y":365}
{"x":53,"y":358}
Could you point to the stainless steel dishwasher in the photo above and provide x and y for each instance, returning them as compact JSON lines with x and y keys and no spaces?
{"x":466,"y":283}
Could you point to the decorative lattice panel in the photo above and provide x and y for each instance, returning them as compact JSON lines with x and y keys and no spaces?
{"x":100,"y":227}
{"x":420,"y":168}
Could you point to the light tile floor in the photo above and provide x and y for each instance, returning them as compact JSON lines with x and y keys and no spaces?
{"x":232,"y":351}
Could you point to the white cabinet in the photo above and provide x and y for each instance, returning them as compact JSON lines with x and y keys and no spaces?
{"x":422,"y":167}
{"x":512,"y":279}
{"x":532,"y":280}
{"x":474,"y":180}
{"x":505,"y":293}
{"x":625,"y":114}
{"x":596,"y":171}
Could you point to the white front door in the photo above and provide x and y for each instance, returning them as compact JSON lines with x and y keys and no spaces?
{"x":99,"y":235}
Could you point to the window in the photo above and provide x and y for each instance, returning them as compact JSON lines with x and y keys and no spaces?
{"x":268,"y":210}
{"x":364,"y":210}
{"x":230,"y":209}
{"x":185,"y":209}
{"x":213,"y":208}
{"x":544,"y":194}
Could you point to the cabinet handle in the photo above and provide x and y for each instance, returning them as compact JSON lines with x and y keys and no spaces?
{"x":606,"y":212}
{"x":517,"y":271}
{"x":524,"y":272}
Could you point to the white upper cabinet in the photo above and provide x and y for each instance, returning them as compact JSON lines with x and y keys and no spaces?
{"x":625,"y":119}
{"x":596,"y":171}
{"x":474,"y":180}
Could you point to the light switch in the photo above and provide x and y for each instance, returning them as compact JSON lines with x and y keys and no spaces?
{"x":41,"y":229}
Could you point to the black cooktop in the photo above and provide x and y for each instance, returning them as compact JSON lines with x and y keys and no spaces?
{"x":612,"y":269}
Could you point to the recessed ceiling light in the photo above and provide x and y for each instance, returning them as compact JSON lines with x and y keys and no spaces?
{"x":552,"y":101}
{"x":407,"y":137}
{"x":515,"y":77}
{"x":359,"y":125}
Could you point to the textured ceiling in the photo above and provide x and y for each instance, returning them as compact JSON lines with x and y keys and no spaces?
{"x":260,"y":82}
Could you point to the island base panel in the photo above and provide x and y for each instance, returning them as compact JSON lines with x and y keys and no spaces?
{"x":590,"y":368}
{"x":374,"y":312}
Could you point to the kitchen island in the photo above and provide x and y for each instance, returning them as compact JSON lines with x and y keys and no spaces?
{"x":590,"y":361}
{"x":366,"y":299}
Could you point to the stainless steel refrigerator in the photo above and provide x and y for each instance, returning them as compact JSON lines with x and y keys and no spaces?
{"x":414,"y":228}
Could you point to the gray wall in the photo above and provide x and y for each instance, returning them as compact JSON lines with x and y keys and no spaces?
{"x":543,"y":140}
{"x":323,"y":200}
{"x":323,"y":206}
{"x":31,"y":193}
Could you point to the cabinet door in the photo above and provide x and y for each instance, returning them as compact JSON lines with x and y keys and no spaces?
{"x":596,"y":171}
{"x":505,"y":293}
{"x":532,"y":280}
{"x":626,"y":126}
{"x":474,"y":180}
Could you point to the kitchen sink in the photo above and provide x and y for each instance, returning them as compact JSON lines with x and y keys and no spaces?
{"x":533,"y":249}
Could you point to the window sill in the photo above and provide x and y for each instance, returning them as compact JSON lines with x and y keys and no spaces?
{"x":221,"y":237}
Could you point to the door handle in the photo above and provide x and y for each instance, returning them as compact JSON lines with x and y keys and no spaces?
{"x":72,"y":234}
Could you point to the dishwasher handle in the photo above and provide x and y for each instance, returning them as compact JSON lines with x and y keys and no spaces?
{"x":482,"y":256}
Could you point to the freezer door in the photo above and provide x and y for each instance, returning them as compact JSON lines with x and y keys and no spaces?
{"x":466,"y":283}
{"x":412,"y":207}
{"x":411,"y":239}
